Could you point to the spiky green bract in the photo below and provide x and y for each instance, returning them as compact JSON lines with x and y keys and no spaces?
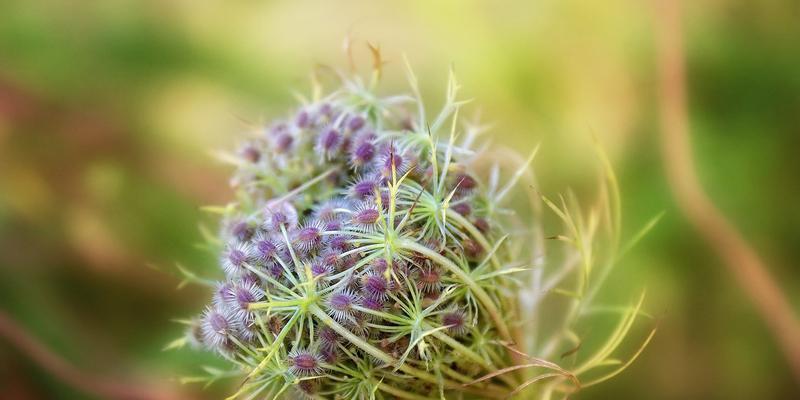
{"x":366,"y":258}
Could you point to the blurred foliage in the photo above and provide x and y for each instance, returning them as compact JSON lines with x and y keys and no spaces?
{"x":108,"y":111}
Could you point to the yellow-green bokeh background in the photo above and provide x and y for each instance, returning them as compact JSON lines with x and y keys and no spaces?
{"x":109,"y":109}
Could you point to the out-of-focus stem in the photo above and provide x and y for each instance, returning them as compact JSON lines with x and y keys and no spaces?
{"x":99,"y":386}
{"x":738,"y":256}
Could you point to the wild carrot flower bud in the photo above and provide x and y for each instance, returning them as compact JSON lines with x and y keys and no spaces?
{"x":241,"y":296}
{"x":304,"y":363}
{"x":235,"y":258}
{"x":482,"y":224}
{"x":308,"y":387}
{"x":321,"y":268}
{"x":376,"y":286}
{"x":325,"y":110}
{"x":308,"y":236}
{"x":217,"y":326}
{"x":302,"y":120}
{"x":429,"y":279}
{"x":379,"y":265}
{"x":264,"y":248}
{"x":328,"y":143}
{"x":330,"y":210}
{"x":282,"y":143}
{"x":455,"y":321}
{"x":361,"y":153}
{"x":391,"y":162}
{"x":279,"y":214}
{"x":364,"y":187}
{"x":462,"y":208}
{"x":355,"y":123}
{"x":250,"y":153}
{"x":373,"y":303}
{"x":362,"y":238}
{"x":472,"y":249}
{"x":328,"y":338}
{"x":242,"y":231}
{"x":366,"y":216}
{"x":340,"y":306}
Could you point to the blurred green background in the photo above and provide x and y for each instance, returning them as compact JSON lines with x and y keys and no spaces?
{"x":109,"y":110}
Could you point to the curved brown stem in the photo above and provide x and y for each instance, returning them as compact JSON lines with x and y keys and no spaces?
{"x":99,"y":386}
{"x":722,"y":236}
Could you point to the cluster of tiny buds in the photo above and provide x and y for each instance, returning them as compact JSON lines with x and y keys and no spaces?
{"x":269,"y":248}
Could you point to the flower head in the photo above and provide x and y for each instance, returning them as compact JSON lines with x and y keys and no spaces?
{"x":361,"y":237}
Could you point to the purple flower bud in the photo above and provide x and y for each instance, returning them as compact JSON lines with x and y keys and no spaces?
{"x":456,"y":322}
{"x":320,"y":268}
{"x":264,"y":248}
{"x":308,"y":237}
{"x":366,"y":216}
{"x":334,"y":225}
{"x":361,"y":153}
{"x":329,"y":355}
{"x":282,"y":143}
{"x":391,"y":158}
{"x":308,"y":387}
{"x":242,"y":295}
{"x":217,"y":326}
{"x":328,"y":338}
{"x":373,"y":303}
{"x":376,"y":286}
{"x":250,"y":153}
{"x":329,"y":142}
{"x":242,"y":231}
{"x":472,"y":249}
{"x":340,"y":306}
{"x":331,"y":258}
{"x":462,"y":209}
{"x":347,"y":262}
{"x":364,"y":188}
{"x":326,"y":110}
{"x":329,"y":211}
{"x":429,"y":279}
{"x":222,"y":293}
{"x":275,"y":270}
{"x":234,"y":259}
{"x":378,"y":265}
{"x":355,"y":123}
{"x":302,"y":120}
{"x":278,"y":129}
{"x":279,"y":213}
{"x":465,"y":182}
{"x":482,"y":224}
{"x":304,"y":363}
{"x":338,"y":243}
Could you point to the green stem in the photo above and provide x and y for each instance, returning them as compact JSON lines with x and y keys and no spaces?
{"x":473,"y":356}
{"x":478,"y":291}
{"x":272,"y":304}
{"x":479,"y":237}
{"x":389,"y":360}
{"x":274,"y":347}
{"x":306,"y":185}
{"x":400,"y":393}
